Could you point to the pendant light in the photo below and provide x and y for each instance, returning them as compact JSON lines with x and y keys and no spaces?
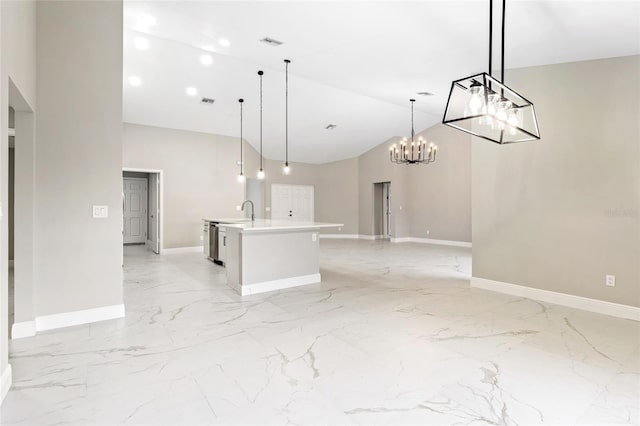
{"x":485,"y":107}
{"x":241,"y":175}
{"x":415,"y":152}
{"x":286,"y":170}
{"x":261,"y":170}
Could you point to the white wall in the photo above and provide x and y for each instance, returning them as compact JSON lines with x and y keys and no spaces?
{"x":78,"y":156}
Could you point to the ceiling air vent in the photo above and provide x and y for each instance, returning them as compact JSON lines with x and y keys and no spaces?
{"x":271,"y":41}
{"x":207,"y":101}
{"x":425,"y":93}
{"x":331,"y":126}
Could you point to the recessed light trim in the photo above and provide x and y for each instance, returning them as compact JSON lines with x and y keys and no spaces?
{"x":135,"y":81}
{"x":271,"y":41}
{"x":206,"y":59}
{"x":191,"y":91}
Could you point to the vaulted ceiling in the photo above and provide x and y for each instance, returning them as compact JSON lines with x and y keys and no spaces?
{"x":354,"y":64}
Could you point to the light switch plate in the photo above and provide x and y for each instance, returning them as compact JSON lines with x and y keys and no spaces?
{"x":100,"y":212}
{"x":314,"y":237}
{"x":268,"y":208}
{"x":610,"y":281}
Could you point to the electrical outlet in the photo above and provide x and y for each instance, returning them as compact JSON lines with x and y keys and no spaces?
{"x":610,"y":280}
{"x":238,"y":208}
{"x":268,"y":208}
{"x":314,"y":237}
{"x":428,"y":232}
{"x":339,"y":229}
{"x":201,"y":237}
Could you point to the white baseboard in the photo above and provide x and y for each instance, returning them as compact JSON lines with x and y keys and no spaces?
{"x":431,"y":241}
{"x":353,"y":236}
{"x":68,"y":319}
{"x":346,"y":236}
{"x":265,"y":286}
{"x":578,"y":302}
{"x":23,"y":329}
{"x":5,"y":383}
{"x":178,"y":250}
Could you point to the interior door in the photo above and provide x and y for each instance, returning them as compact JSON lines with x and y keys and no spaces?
{"x":135,"y":210}
{"x":292,"y":202}
{"x":281,"y":202}
{"x":302,"y":203}
{"x":154,"y":212}
{"x":387,"y":209}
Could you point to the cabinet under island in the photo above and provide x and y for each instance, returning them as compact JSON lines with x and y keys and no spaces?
{"x":267,"y":255}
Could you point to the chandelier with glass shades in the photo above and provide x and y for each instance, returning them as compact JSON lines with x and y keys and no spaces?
{"x":485,"y":107}
{"x":413,"y":151}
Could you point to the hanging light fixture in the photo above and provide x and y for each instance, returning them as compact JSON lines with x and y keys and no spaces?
{"x":286,"y":170}
{"x":261,"y":170}
{"x":413,"y":152}
{"x":485,"y":107}
{"x":241,"y":175}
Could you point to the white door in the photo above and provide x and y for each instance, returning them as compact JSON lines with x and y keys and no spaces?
{"x":135,"y":210}
{"x":292,"y":202}
{"x":154,"y":212}
{"x":302,"y":203}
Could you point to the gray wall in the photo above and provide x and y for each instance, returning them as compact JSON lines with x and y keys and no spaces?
{"x":561,"y":213}
{"x":199,"y":172}
{"x":17,"y":69}
{"x":78,"y":155}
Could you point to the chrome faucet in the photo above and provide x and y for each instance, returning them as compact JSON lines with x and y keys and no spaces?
{"x":253,"y":217}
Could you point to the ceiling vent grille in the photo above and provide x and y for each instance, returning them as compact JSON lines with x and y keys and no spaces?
{"x":331,"y":126}
{"x":207,"y":101}
{"x":271,"y":41}
{"x":425,"y":93}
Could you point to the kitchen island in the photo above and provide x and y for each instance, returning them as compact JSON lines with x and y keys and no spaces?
{"x":266,"y":255}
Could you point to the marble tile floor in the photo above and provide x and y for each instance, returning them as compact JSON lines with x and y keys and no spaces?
{"x":393,"y":335}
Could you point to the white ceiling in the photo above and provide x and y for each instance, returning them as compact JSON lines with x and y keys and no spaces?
{"x":354,"y":63}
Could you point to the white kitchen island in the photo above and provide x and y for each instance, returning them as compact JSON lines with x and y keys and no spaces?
{"x":266,"y":255}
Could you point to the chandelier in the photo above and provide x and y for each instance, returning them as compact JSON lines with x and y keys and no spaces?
{"x":485,"y":107}
{"x":413,"y":152}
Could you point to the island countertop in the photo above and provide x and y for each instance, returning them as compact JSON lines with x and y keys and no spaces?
{"x":228,"y":220}
{"x":276,"y":225}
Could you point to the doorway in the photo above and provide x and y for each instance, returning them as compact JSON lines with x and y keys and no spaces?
{"x":292,"y":202}
{"x":382,"y":209}
{"x":142,"y":208}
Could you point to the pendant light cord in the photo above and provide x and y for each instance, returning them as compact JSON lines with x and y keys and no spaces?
{"x":412,"y":131}
{"x":260,"y":73}
{"x":286,"y":113}
{"x":490,"y":34}
{"x":241,"y":159}
{"x":504,"y":2}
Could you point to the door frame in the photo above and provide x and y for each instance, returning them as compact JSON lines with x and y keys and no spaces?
{"x":160,"y":174}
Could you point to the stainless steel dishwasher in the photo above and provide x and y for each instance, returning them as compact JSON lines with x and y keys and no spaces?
{"x":213,"y":243}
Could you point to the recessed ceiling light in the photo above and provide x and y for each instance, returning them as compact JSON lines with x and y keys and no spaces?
{"x":135,"y":81}
{"x":141,"y":43}
{"x":206,"y":59}
{"x":425,"y":93}
{"x":207,"y":47}
{"x":331,"y":126}
{"x":192,"y":91}
{"x":224,"y":42}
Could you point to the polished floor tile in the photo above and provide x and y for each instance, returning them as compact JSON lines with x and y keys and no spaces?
{"x":393,"y":335}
